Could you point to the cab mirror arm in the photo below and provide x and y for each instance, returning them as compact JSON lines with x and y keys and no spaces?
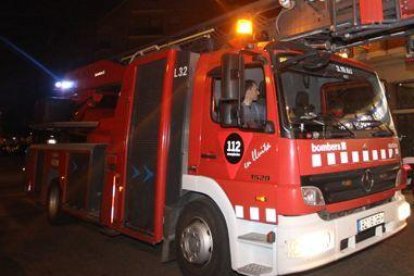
{"x":269,"y":127}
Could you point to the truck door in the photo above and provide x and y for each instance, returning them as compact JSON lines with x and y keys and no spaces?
{"x":245,"y":151}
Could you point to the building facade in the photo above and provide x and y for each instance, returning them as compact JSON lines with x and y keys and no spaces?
{"x":136,"y":23}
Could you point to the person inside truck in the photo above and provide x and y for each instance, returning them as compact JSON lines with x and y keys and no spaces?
{"x":252,"y":110}
{"x":302,"y":106}
{"x":336,"y":108}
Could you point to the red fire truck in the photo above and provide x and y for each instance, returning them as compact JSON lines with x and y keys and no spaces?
{"x":263,"y":158}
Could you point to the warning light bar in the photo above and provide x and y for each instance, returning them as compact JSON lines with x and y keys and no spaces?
{"x":65,"y":85}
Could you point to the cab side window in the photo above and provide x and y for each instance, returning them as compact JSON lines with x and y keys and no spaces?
{"x":250,"y":112}
{"x":253,"y":100}
{"x":215,"y":97}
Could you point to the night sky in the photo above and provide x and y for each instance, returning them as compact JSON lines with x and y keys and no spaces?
{"x":49,"y":31}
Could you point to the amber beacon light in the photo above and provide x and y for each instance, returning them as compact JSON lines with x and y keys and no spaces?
{"x":244,"y":27}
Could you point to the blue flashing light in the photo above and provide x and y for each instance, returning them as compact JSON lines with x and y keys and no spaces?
{"x":65,"y":85}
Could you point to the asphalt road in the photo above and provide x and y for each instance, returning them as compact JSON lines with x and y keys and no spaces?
{"x":30,"y":246}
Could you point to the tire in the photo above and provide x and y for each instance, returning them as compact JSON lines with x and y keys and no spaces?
{"x":202,"y":244}
{"x":54,"y":202}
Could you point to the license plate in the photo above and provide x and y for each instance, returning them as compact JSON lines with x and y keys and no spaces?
{"x":371,"y":221}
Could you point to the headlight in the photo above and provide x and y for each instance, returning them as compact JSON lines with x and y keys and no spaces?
{"x":312,"y":196}
{"x":311,"y":244}
{"x":404,"y":211}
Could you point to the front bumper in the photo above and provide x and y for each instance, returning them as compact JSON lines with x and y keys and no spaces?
{"x":342,"y":231}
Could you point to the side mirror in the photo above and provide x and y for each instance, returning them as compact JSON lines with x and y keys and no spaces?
{"x":269,"y":127}
{"x":232,"y":84}
{"x":232,"y":76}
{"x":229,"y":113}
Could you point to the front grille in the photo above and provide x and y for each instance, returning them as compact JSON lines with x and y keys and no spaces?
{"x":330,"y":216}
{"x":342,"y":186}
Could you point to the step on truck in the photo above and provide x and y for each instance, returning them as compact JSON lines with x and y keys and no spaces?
{"x":260,"y":157}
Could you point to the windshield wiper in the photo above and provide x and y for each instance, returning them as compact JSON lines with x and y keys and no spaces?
{"x":315,"y":120}
{"x":311,"y":60}
{"x":338,"y":123}
{"x":375,"y":124}
{"x":296,"y":59}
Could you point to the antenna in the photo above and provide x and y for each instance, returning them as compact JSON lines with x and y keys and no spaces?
{"x":177,"y":42}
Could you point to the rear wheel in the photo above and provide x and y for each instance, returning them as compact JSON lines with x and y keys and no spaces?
{"x":54,"y":212}
{"x":202,"y":246}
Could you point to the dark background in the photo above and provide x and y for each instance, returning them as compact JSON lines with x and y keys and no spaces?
{"x":65,"y":34}
{"x":49,"y":31}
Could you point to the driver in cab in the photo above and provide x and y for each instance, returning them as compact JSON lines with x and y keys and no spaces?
{"x":252,"y":111}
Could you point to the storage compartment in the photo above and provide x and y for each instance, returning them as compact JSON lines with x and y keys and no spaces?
{"x":85,"y":179}
{"x":143,"y":146}
{"x":77,"y":180}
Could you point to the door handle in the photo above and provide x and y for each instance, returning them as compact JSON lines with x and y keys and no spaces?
{"x":209,"y":155}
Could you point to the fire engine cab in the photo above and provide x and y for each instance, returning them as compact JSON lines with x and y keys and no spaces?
{"x":263,"y":158}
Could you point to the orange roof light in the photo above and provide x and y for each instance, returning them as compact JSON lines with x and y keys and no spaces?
{"x":244,"y":27}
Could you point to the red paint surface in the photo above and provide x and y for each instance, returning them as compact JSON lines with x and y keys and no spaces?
{"x":406,"y":8}
{"x":371,"y":11}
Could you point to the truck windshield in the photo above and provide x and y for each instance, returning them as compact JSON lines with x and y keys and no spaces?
{"x":336,"y":101}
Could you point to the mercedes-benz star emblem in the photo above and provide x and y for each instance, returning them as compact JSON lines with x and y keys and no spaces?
{"x":367,"y":180}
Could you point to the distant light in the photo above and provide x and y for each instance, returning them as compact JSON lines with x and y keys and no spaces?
{"x":14,"y":138}
{"x":65,"y":84}
{"x":51,"y":141}
{"x":244,"y":27}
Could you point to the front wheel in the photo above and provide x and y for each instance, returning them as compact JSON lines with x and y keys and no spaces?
{"x":202,"y":245}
